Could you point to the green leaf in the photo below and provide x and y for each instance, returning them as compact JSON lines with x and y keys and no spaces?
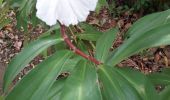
{"x":4,"y":22}
{"x":160,"y":78}
{"x":88,"y":36}
{"x":90,"y":33}
{"x":138,"y":42}
{"x":1,"y":97}
{"x":125,"y":84}
{"x":36,"y":84}
{"x":104,"y":43}
{"x":25,"y":13}
{"x":164,"y":95}
{"x":1,"y":2}
{"x":25,"y":56}
{"x":100,"y":4}
{"x":70,"y":64}
{"x":149,"y":22}
{"x":56,"y":89}
{"x":82,"y":84}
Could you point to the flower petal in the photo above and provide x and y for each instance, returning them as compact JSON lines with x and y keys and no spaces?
{"x":66,"y":11}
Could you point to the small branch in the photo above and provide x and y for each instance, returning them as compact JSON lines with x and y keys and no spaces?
{"x":75,"y":50}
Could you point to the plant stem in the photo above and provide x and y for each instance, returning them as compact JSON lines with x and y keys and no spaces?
{"x":75,"y":50}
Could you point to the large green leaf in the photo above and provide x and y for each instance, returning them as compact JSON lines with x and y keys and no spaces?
{"x":149,"y":22}
{"x":36,"y":84}
{"x":82,"y":84}
{"x":70,"y":64}
{"x":26,"y":55}
{"x":125,"y":84}
{"x":164,"y":95}
{"x":152,"y":38}
{"x":160,"y":78}
{"x":104,"y":43}
{"x":56,"y":89}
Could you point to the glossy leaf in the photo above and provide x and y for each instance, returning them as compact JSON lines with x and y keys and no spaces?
{"x":25,"y":56}
{"x":36,"y":84}
{"x":148,"y":22}
{"x":104,"y":44}
{"x":56,"y":89}
{"x":82,"y":84}
{"x":155,"y":37}
{"x":161,"y":78}
{"x":125,"y":84}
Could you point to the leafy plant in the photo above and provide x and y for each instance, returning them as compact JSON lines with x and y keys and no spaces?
{"x":87,"y":80}
{"x":4,"y":9}
{"x":25,"y":12}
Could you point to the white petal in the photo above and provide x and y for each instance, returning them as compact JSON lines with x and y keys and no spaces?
{"x":66,"y":11}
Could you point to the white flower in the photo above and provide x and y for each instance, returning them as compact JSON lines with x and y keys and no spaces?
{"x":66,"y":11}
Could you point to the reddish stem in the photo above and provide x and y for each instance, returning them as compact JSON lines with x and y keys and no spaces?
{"x":77,"y":51}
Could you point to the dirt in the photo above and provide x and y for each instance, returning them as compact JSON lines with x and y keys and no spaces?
{"x":12,"y":41}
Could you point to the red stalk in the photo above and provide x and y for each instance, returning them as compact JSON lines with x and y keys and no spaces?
{"x":75,"y":50}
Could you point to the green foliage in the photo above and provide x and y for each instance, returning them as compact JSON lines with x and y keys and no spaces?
{"x":25,"y":12}
{"x":44,"y":76}
{"x":143,"y":37}
{"x":26,"y":55}
{"x":104,"y":43}
{"x":164,"y":95}
{"x":90,"y":33}
{"x":82,"y":83}
{"x":118,"y":7}
{"x":125,"y":84}
{"x":100,"y":4}
{"x":3,"y":15}
{"x":162,"y":79}
{"x":1,"y":97}
{"x":87,"y":81}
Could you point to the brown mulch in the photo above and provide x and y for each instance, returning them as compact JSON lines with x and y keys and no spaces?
{"x":12,"y":40}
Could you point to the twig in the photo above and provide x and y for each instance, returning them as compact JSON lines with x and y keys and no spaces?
{"x":75,"y":50}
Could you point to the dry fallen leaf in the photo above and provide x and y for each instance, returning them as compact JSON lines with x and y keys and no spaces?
{"x":18,"y":45}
